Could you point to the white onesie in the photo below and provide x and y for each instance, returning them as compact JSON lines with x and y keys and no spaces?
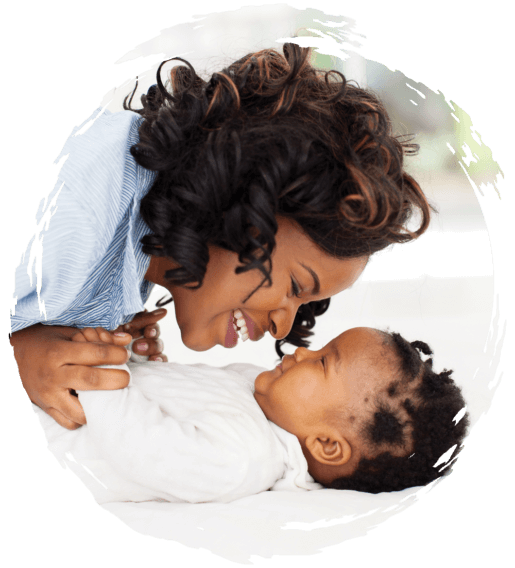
{"x":190,"y":433}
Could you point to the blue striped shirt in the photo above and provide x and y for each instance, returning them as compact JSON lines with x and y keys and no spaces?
{"x":91,"y":262}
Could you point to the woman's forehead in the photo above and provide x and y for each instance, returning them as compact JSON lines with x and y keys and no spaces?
{"x":295,"y":247}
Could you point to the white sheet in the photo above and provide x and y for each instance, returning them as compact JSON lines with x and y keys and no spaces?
{"x":255,"y":523}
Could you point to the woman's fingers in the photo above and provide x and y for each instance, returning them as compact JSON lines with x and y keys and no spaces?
{"x":99,"y":334}
{"x":148,"y":347}
{"x":142,"y":320}
{"x":152,"y":331}
{"x":51,"y":363}
{"x":93,"y":335}
{"x":71,"y":408}
{"x":95,"y":353}
{"x":61,"y":419}
{"x":93,"y":378}
{"x":66,"y":409}
{"x":161,"y":357}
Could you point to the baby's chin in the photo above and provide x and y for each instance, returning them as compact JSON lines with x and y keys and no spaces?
{"x":257,"y":382}
{"x":263,"y":403}
{"x":261,"y":382}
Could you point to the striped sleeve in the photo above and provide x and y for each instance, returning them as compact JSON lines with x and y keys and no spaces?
{"x":96,"y":187}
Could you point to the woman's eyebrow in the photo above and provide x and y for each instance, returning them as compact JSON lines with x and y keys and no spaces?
{"x":316,"y":280}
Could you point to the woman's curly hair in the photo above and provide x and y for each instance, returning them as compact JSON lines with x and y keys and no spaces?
{"x":432,"y":427}
{"x":271,"y":136}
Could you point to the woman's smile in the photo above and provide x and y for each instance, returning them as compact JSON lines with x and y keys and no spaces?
{"x":301,"y":273}
{"x":254,"y":332}
{"x":241,"y":326}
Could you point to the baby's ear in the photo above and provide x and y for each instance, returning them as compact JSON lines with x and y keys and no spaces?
{"x":329,"y":448}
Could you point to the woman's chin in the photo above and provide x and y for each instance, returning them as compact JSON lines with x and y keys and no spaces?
{"x":195,"y":344}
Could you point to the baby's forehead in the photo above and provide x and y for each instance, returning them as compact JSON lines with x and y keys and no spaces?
{"x":358,"y":342}
{"x":369,"y":357}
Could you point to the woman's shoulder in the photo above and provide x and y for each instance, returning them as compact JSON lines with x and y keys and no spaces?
{"x":98,"y":169}
{"x":106,"y":129}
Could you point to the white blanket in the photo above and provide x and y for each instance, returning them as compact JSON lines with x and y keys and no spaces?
{"x":180,"y":433}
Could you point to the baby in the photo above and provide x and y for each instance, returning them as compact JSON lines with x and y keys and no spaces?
{"x":369,"y":414}
{"x":365,"y":412}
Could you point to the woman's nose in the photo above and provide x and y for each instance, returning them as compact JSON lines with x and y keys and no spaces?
{"x":281,"y":322}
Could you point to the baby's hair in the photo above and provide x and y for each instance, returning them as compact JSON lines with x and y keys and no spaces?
{"x":271,"y":136}
{"x":432,"y":428}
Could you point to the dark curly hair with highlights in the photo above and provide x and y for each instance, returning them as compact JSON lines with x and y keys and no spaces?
{"x":269,"y":136}
{"x":432,"y":428}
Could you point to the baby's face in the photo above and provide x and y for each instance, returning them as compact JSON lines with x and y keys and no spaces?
{"x":306,"y":388}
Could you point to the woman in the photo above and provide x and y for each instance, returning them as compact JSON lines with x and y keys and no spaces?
{"x":253,"y":198}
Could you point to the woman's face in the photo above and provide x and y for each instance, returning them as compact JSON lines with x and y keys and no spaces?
{"x":301,"y":273}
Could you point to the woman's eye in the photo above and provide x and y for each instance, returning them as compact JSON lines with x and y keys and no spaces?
{"x":295,"y":288}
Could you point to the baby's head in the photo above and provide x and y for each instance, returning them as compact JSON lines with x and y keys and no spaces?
{"x":369,"y":413}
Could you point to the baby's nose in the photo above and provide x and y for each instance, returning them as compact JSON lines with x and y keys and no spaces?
{"x":302,"y":353}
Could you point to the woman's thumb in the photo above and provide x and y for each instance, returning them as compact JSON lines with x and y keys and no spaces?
{"x":155,"y":316}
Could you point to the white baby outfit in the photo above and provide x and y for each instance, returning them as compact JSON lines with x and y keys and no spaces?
{"x":180,"y":433}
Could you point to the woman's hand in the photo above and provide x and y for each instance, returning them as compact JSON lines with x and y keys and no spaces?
{"x":144,"y":325}
{"x":51,"y":365}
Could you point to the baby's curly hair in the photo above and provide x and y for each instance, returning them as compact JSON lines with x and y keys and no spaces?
{"x":271,"y":136}
{"x":432,"y":428}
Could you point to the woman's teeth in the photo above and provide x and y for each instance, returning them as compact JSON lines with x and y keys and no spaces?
{"x":240,"y":327}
